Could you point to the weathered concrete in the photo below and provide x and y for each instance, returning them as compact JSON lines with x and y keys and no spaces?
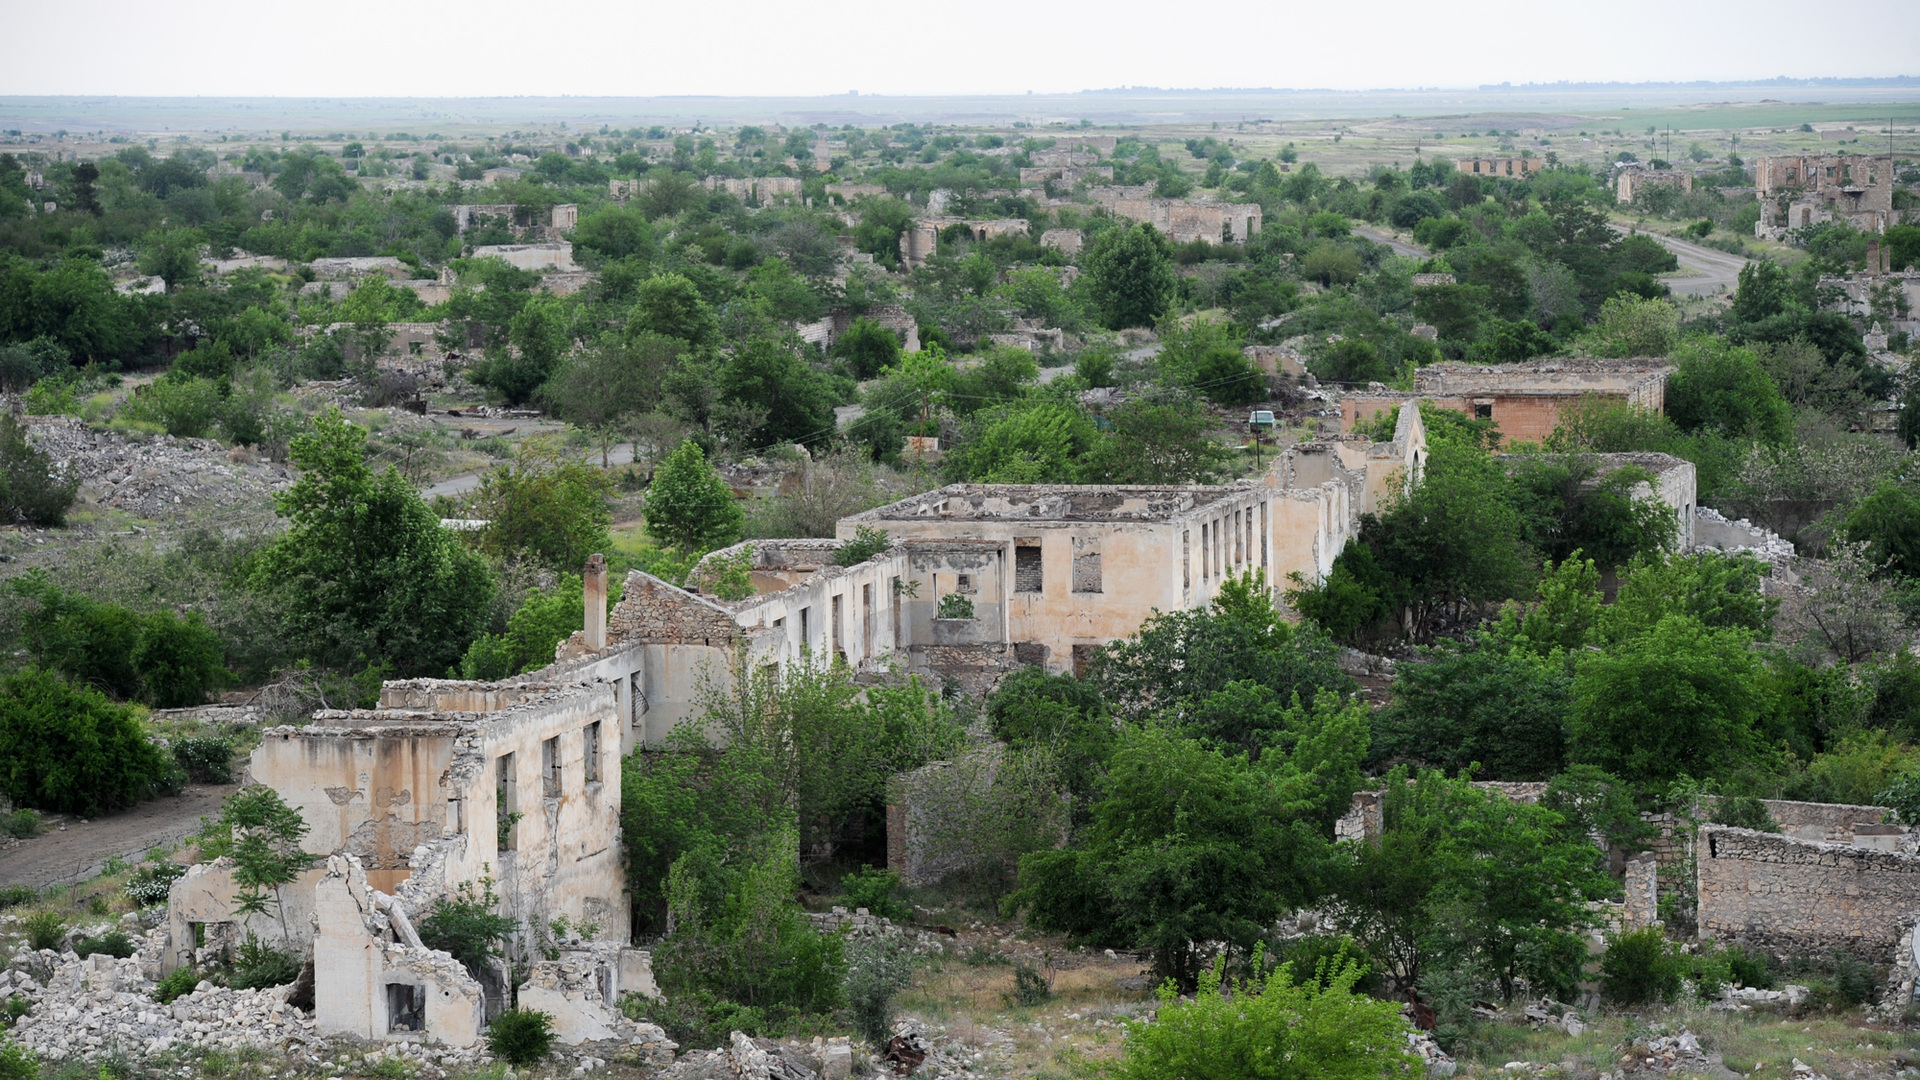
{"x":1523,"y":400}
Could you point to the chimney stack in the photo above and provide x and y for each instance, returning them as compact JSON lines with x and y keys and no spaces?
{"x":594,"y":595}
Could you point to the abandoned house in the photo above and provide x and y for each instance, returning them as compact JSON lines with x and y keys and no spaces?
{"x":1525,"y":400}
{"x":1802,"y":190}
{"x":1513,"y":166}
{"x":1632,"y":180}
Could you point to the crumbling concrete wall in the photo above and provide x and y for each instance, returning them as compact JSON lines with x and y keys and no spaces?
{"x":1515,"y":166}
{"x":1803,"y":896}
{"x":1834,"y":823}
{"x":581,"y":990}
{"x":204,"y":924}
{"x":368,"y":986}
{"x":1523,"y":400}
{"x":552,"y":256}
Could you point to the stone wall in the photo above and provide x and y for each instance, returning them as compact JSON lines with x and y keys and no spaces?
{"x":1803,"y":896}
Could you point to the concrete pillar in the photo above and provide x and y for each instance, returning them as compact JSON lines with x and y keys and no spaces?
{"x":594,"y":596}
{"x":1643,"y":891}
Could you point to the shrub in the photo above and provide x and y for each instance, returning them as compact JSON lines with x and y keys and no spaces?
{"x":954,"y":606}
{"x":521,"y":1036}
{"x":69,"y":749}
{"x":1851,"y":983}
{"x":177,"y":659}
{"x":259,"y":966}
{"x":150,"y":884}
{"x":1029,"y":987}
{"x":876,"y":971}
{"x":17,"y":1062}
{"x":21,"y":824}
{"x":1321,"y":1031}
{"x":206,"y":760}
{"x":30,"y":490}
{"x":15,"y":895}
{"x":43,"y":929}
{"x":180,"y":983}
{"x":114,"y":943}
{"x":1640,"y":968}
{"x":1749,"y":967}
{"x":1320,"y":957}
{"x":874,"y":890}
{"x":866,"y":543}
{"x":697,"y":1019}
{"x":17,"y":1006}
{"x":468,"y":928}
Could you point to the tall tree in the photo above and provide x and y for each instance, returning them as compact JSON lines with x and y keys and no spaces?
{"x":1129,"y":276}
{"x":689,"y":507}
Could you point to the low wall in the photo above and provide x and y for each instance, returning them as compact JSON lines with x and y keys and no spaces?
{"x":1803,"y":896}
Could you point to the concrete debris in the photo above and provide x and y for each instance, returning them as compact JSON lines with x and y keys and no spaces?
{"x":1744,"y":998}
{"x":747,"y":1058}
{"x":1804,"y":1071}
{"x":1439,"y":1063}
{"x":1667,"y":1054}
{"x":156,"y":477}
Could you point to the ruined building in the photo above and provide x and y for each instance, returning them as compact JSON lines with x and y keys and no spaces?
{"x":1517,"y":166}
{"x":1797,"y":191}
{"x":1633,"y":179}
{"x":1525,"y":400}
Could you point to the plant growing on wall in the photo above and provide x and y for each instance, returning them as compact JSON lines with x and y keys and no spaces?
{"x":954,"y":606}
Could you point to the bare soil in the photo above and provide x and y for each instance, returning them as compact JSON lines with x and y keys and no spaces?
{"x":73,"y":850}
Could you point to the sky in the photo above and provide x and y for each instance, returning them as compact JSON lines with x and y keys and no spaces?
{"x":377,"y":48}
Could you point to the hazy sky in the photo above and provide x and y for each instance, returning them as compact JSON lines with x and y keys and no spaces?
{"x":603,"y":47}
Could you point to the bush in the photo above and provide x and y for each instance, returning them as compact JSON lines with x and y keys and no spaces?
{"x":177,"y":659}
{"x":205,"y":760}
{"x":1319,"y":957}
{"x":866,"y":543}
{"x":1850,"y":982}
{"x":1640,"y":968}
{"x":468,"y":928}
{"x":68,"y":749}
{"x":30,"y":490}
{"x":150,"y":884}
{"x":43,"y":929}
{"x":260,"y":966}
{"x":180,"y":983}
{"x":521,"y":1036}
{"x":1749,"y":967}
{"x":698,"y":1019}
{"x":13,"y":896}
{"x":876,"y":971}
{"x":874,"y":890}
{"x":21,"y":824}
{"x":1320,"y":1031}
{"x":17,"y":1062}
{"x":1030,"y":988}
{"x":114,"y":943}
{"x":954,"y":606}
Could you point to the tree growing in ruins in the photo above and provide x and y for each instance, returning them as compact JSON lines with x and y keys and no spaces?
{"x":1129,"y":276}
{"x":364,"y":574}
{"x":261,"y":834}
{"x":689,"y":507}
{"x":545,"y":506}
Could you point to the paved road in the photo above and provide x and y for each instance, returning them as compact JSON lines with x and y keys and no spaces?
{"x":1400,"y":247}
{"x":70,"y":855}
{"x":1714,"y":271}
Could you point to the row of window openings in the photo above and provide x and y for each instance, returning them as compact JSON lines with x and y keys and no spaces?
{"x":1220,"y":553}
{"x":552,"y":784}
{"x":839,"y":622}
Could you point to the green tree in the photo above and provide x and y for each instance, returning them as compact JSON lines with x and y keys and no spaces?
{"x":173,"y":255}
{"x":689,"y":507}
{"x":1462,"y":878}
{"x":1724,"y":388}
{"x":364,"y":573}
{"x":1206,"y":359}
{"x":613,"y":233}
{"x":790,"y":399}
{"x":603,"y":387}
{"x":1482,"y":703}
{"x":1762,"y":292}
{"x":544,"y":619}
{"x":1129,"y":276}
{"x":31,"y":491}
{"x":671,"y":305}
{"x":68,"y":750}
{"x":545,"y":506}
{"x":1678,"y":699}
{"x":1163,"y":439}
{"x":1032,"y":442}
{"x":539,"y":338}
{"x":178,"y":660}
{"x":868,"y":348}
{"x":1634,"y":326}
{"x":1888,"y":522}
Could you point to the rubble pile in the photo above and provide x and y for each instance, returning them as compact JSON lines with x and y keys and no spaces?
{"x":156,"y":477}
{"x":1667,"y":1054}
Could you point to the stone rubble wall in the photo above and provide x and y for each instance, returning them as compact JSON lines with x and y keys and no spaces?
{"x":1800,"y":896}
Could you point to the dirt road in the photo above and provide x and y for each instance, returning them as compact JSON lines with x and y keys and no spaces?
{"x":72,"y":851}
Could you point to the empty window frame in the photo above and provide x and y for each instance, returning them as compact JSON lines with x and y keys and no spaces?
{"x":1028,"y":576}
{"x":590,"y":752}
{"x":1086,"y":564}
{"x":550,"y":767}
{"x":839,"y":633}
{"x":506,"y":799}
{"x":406,"y":1007}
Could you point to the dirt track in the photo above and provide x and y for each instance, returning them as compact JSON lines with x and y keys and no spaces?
{"x":73,"y":853}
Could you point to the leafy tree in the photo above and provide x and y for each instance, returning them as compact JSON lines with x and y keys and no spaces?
{"x":544,"y":619}
{"x":869,"y":348}
{"x":31,"y":491}
{"x":538,"y":335}
{"x":364,"y":573}
{"x":1060,"y":714}
{"x":1567,"y":505}
{"x":1033,"y":442}
{"x":1633,"y":326}
{"x":1679,"y":699}
{"x":262,"y":835}
{"x":67,"y":749}
{"x":1762,"y":292}
{"x":1206,"y":359}
{"x":1462,"y":878}
{"x":178,"y":660}
{"x":1129,"y":276}
{"x":1280,"y":1025}
{"x":1189,"y":846}
{"x":1164,"y":439}
{"x":173,"y":255}
{"x":469,"y":927}
{"x":794,"y":400}
{"x":545,"y":506}
{"x":613,"y":233}
{"x":1721,"y":592}
{"x":1179,"y":659}
{"x":689,"y":507}
{"x":671,"y":305}
{"x":1483,"y":703}
{"x":1725,"y":388}
{"x":603,"y":387}
{"x":1888,"y":522}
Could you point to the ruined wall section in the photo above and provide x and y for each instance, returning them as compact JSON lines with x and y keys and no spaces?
{"x":1803,"y":896}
